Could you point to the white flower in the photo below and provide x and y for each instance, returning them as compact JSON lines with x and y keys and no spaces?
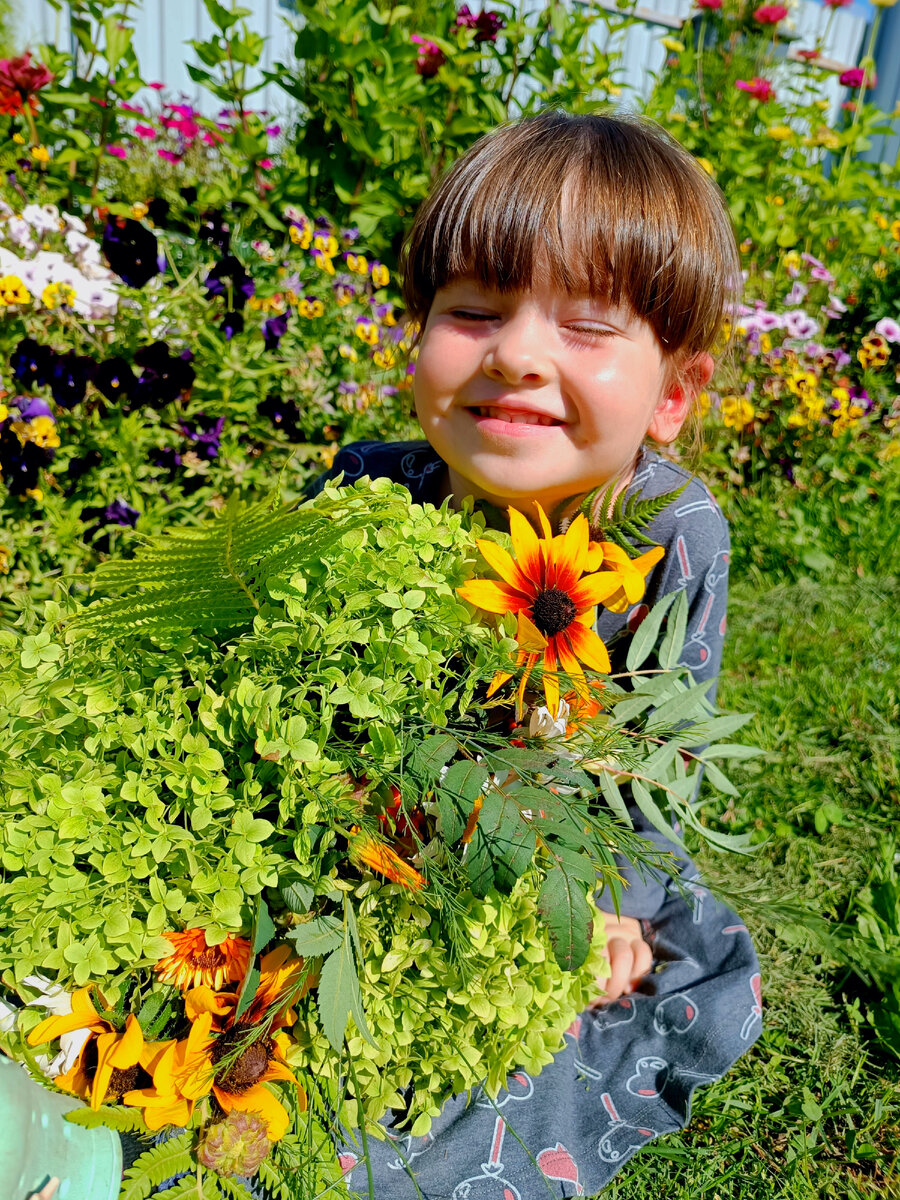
{"x":58,"y":1003}
{"x":73,"y":222}
{"x":542,"y":724}
{"x":43,"y":218}
{"x":20,"y":234}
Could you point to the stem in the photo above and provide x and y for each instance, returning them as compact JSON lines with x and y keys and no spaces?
{"x":867,"y":58}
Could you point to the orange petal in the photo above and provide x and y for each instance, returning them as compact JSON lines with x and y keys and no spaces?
{"x":105,"y":1045}
{"x":570,"y":564}
{"x":277,"y":1070}
{"x":492,"y":596}
{"x":527,"y":547}
{"x":259,"y":1100}
{"x":594,"y":589}
{"x":520,"y":690}
{"x":588,"y":647}
{"x":498,"y":681}
{"x":646,"y":562}
{"x":505,"y":566}
{"x":203,"y":999}
{"x":569,"y":664}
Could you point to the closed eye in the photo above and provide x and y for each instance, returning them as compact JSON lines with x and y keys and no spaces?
{"x":466,"y":314}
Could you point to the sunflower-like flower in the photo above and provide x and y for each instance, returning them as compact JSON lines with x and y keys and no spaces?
{"x":192,"y":962}
{"x":545,"y":585}
{"x":378,"y":856}
{"x":106,"y":1066}
{"x":632,"y":574}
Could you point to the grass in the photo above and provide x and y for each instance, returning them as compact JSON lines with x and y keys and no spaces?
{"x":814,"y":1109}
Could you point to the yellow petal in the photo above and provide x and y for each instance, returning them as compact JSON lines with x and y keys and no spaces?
{"x":594,"y":557}
{"x":520,"y":690}
{"x":645,"y":562}
{"x":105,"y":1045}
{"x":614,"y":555}
{"x":634,"y":585}
{"x":498,"y":681}
{"x":492,"y":596}
{"x":527,"y":547}
{"x":546,"y":531}
{"x":127,"y":1050}
{"x":569,"y":664}
{"x":587,"y":647}
{"x":505,"y":566}
{"x":594,"y":589}
{"x":259,"y":1100}
{"x":570,"y":564}
{"x":528,"y":635}
{"x":551,"y":681}
{"x":203,"y":999}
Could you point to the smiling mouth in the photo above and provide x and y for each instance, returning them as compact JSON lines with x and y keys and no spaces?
{"x":513,"y":417}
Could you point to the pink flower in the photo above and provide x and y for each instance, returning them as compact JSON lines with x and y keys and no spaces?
{"x":708,"y":3}
{"x":212,"y":139}
{"x":849,"y":106}
{"x":430,"y":57}
{"x":117,"y":151}
{"x":157,"y":87}
{"x":265,"y":164}
{"x":759,"y":88}
{"x":274,"y":130}
{"x":169,"y":155}
{"x":810,"y":55}
{"x":889,"y":329}
{"x":132,"y":108}
{"x":857,"y":77}
{"x":147,"y":132}
{"x":837,"y":3}
{"x":770,"y":14}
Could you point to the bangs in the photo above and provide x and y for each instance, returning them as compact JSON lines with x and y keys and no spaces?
{"x":603,"y":206}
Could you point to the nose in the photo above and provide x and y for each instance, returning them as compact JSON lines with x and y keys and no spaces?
{"x":518,"y":351}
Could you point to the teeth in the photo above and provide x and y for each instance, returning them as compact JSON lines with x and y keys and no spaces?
{"x":515,"y":418}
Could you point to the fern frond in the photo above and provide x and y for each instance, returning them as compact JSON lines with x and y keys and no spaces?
{"x":629,"y":518}
{"x":190,"y":1188}
{"x":230,"y":1188}
{"x":118,"y":1117}
{"x":212,"y":579}
{"x":274,"y":1181}
{"x":156,"y":1165}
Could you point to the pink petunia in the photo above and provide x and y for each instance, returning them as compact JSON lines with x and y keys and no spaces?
{"x":759,"y":88}
{"x":169,"y":155}
{"x":147,"y":132}
{"x":708,"y":3}
{"x":117,"y":151}
{"x":265,"y":164}
{"x":212,"y":139}
{"x":770,"y":14}
{"x":157,"y":87}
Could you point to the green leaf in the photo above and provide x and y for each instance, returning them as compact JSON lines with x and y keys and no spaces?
{"x":317,"y":937}
{"x":676,"y":625}
{"x":338,"y":995}
{"x":432,"y":753}
{"x":568,"y":917}
{"x":644,"y":640}
{"x":652,"y":812}
{"x":297,"y":896}
{"x":118,"y":1117}
{"x":456,"y":795}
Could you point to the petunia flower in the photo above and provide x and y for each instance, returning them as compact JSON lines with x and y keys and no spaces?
{"x":856,"y":77}
{"x":546,"y":587}
{"x":30,"y":363}
{"x":274,"y":329}
{"x":130,"y":250}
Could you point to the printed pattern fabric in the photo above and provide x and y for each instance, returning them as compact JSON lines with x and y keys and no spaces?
{"x":627,"y":1071}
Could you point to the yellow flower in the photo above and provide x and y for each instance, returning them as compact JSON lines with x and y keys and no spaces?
{"x":40,"y":154}
{"x":673,"y":44}
{"x":792,"y":260}
{"x":358,"y":264}
{"x":139,"y":210}
{"x":193,"y":962}
{"x":347,"y":352}
{"x":35,"y":494}
{"x":367,"y":331}
{"x":707,"y":166}
{"x":803,"y":383}
{"x":5,"y":555}
{"x":18,"y":139}
{"x":380,"y":275}
{"x":182,"y":1074}
{"x":41,"y":431}
{"x":300,"y":237}
{"x":874,"y":351}
{"x":895,"y":230}
{"x":310,"y":307}
{"x":883,"y":3}
{"x":704,"y":404}
{"x":554,"y":605}
{"x":780,"y":133}
{"x":57,"y":294}
{"x":737,"y":412}
{"x":328,"y":245}
{"x":106,"y":1065}
{"x":882,"y":222}
{"x":13,"y":290}
{"x":385,"y":358}
{"x":765,"y":342}
{"x":880,"y":269}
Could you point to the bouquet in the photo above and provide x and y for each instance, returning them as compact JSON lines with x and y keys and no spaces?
{"x":314,"y":840}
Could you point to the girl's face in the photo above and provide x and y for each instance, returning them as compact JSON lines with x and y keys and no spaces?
{"x":540,"y":395}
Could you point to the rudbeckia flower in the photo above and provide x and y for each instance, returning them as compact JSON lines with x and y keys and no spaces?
{"x":192,"y":962}
{"x":182,"y":1074}
{"x":554,"y":600}
{"x":107,"y":1065}
{"x":378,"y":856}
{"x":632,"y":573}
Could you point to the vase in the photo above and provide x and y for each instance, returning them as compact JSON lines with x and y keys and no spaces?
{"x":37,"y":1143}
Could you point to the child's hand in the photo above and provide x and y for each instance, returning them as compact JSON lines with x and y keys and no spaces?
{"x":46,"y":1191}
{"x":630,"y":958}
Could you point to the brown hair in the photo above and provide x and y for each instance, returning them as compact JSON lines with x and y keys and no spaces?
{"x":612,"y":204}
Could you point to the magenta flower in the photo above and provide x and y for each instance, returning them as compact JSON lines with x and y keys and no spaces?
{"x":430,"y":57}
{"x":486,"y":25}
{"x":265,"y":164}
{"x":759,"y":88}
{"x":708,"y":3}
{"x":147,"y":132}
{"x":157,"y":87}
{"x":131,"y":108}
{"x":117,"y":151}
{"x":857,"y":77}
{"x":770,"y":14}
{"x":169,"y":155}
{"x":889,"y":329}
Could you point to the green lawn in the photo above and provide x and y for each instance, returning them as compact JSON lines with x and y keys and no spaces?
{"x":814,"y":1109}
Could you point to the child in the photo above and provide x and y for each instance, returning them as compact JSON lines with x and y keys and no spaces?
{"x":570,"y":276}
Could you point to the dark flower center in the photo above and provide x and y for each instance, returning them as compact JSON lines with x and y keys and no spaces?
{"x":241,"y":1073}
{"x":553,"y":611}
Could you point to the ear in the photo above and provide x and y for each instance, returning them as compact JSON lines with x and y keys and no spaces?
{"x":679,"y":396}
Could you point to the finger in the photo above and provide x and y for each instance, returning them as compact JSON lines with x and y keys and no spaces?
{"x":643,"y":961}
{"x":47,"y":1190}
{"x":621,"y":958}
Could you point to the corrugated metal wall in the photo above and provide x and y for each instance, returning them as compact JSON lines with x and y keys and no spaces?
{"x":162,"y":27}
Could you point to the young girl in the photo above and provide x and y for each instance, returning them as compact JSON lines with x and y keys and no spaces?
{"x":570,"y":276}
